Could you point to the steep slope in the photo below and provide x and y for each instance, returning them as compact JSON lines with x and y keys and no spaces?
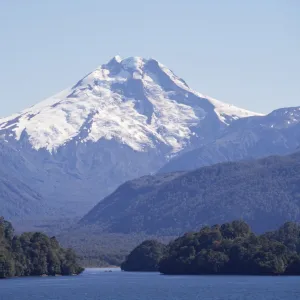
{"x":265,"y":193}
{"x":17,"y":199}
{"x":275,"y":134}
{"x":124,"y":120}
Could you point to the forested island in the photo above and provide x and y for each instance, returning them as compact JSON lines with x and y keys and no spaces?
{"x":145,"y":257}
{"x":228,"y":249}
{"x":33,"y":254}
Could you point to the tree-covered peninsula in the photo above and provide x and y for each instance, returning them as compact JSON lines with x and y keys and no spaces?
{"x":33,"y":254}
{"x":231,"y":248}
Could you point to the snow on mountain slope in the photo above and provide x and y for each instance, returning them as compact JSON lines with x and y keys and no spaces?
{"x":277,"y":133}
{"x":123,"y":120}
{"x":133,"y":100}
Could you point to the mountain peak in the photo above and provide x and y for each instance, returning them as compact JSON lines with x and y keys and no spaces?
{"x":134,"y":62}
{"x":130,"y":64}
{"x":136,"y":101}
{"x":117,"y":58}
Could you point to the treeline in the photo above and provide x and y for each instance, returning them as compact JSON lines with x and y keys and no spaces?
{"x":231,"y":248}
{"x":33,"y":254}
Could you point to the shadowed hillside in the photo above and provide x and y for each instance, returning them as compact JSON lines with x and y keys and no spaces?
{"x":265,"y":193}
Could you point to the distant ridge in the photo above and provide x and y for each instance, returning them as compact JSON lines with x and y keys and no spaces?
{"x":248,"y":138}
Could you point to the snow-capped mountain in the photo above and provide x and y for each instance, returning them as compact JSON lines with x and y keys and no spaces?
{"x":135,"y":101}
{"x":123,"y":120}
{"x":277,"y":133}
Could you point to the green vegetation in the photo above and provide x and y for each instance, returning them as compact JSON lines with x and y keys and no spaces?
{"x":33,"y":254}
{"x":145,"y":257}
{"x":265,"y":193}
{"x":96,"y":249}
{"x":231,"y":248}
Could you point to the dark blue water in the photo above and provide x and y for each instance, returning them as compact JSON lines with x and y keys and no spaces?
{"x":96,"y":284}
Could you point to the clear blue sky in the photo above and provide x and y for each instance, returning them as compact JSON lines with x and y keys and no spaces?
{"x":243,"y":52}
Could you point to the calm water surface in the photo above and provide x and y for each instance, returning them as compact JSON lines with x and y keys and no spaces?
{"x":96,"y":284}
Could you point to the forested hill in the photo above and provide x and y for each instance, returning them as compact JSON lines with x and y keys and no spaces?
{"x":265,"y":193}
{"x":230,"y":248}
{"x":145,"y":257}
{"x":33,"y":254}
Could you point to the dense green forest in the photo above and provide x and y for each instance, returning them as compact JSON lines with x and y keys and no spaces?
{"x":265,"y":193}
{"x":33,"y":254}
{"x":231,"y":248}
{"x":145,"y":257}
